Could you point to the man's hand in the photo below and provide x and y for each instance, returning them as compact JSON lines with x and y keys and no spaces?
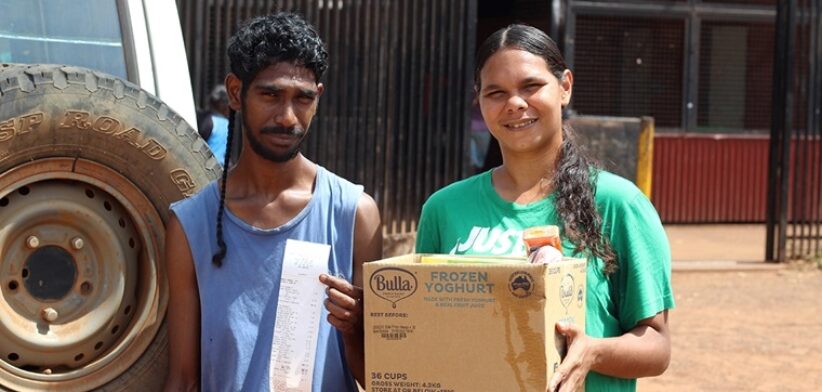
{"x":344,"y":304}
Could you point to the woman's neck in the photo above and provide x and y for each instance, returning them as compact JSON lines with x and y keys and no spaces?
{"x":525,"y":178}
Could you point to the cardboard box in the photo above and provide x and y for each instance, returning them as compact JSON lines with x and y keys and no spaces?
{"x":437,"y":323}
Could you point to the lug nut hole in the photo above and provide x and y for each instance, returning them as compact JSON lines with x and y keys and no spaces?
{"x":85,"y":288}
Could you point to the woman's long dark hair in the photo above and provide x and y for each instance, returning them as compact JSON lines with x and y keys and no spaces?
{"x":574,"y":180}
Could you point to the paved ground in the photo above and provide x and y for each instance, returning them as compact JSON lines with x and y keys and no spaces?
{"x":740,"y":324}
{"x":731,"y":242}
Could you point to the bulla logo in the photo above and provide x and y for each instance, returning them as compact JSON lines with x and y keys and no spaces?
{"x":566,"y":291}
{"x":393,"y":284}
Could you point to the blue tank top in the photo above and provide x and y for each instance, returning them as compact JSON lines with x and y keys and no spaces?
{"x":238,"y":301}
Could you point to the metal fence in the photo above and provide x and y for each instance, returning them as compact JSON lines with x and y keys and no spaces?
{"x":394,"y":114}
{"x":794,"y":212}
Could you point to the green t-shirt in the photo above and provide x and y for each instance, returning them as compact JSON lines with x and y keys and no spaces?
{"x":469,"y":217}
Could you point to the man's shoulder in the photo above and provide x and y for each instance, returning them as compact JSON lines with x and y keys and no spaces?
{"x":202,"y":198}
{"x":337,"y":182}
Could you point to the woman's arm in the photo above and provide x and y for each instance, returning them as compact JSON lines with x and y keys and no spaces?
{"x":644,"y":351}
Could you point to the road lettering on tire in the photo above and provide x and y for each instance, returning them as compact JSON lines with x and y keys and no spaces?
{"x":14,"y":126}
{"x":113,"y":127}
{"x":184,"y":182}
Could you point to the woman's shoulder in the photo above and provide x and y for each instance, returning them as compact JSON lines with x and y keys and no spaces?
{"x":611,"y":188}
{"x":459,"y":191}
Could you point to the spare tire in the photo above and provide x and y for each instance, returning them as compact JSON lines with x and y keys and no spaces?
{"x":88,"y":167}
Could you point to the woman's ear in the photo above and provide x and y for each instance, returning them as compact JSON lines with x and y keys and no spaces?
{"x":567,"y":86}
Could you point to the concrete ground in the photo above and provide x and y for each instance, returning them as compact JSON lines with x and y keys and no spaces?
{"x":740,"y":324}
{"x":718,"y":247}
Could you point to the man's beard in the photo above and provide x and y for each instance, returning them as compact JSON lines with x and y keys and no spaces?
{"x":267,"y":153}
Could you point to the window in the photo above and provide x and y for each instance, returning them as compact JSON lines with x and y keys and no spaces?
{"x":628,"y":66}
{"x":735,"y":76}
{"x":695,"y":66}
{"x":84,"y":33}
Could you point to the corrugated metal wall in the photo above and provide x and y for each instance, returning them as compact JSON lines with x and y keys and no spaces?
{"x":710,"y":178}
{"x":394,"y":114}
{"x":701,"y":178}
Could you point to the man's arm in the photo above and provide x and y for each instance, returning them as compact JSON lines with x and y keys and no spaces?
{"x":644,"y":351}
{"x":183,"y":312}
{"x":344,"y":301}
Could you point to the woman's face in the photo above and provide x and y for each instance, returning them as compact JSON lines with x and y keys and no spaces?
{"x":521,"y":101}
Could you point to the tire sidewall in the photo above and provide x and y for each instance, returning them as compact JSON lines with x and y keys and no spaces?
{"x":52,"y":111}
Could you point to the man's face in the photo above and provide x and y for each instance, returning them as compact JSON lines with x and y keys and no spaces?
{"x":277,"y":108}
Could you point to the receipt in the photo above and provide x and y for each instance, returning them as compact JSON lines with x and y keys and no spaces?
{"x":298,"y":316}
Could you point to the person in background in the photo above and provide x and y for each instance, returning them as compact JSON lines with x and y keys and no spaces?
{"x":219,"y":112}
{"x":204,"y":124}
{"x":523,"y":85}
{"x":225,"y":245}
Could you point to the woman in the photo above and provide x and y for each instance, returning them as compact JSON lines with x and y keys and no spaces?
{"x":523,"y":85}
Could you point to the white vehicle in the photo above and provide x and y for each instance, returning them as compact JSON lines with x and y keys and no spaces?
{"x":90,"y":159}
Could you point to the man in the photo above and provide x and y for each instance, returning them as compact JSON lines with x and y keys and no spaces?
{"x":273,"y":193}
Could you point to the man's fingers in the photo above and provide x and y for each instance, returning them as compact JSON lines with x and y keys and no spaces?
{"x":340,"y":305}
{"x":341,"y":285}
{"x":341,"y":299}
{"x":342,"y":326}
{"x":342,"y":319}
{"x":340,"y":312}
{"x":343,"y":303}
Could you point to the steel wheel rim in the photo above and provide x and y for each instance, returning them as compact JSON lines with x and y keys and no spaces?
{"x":114,"y":306}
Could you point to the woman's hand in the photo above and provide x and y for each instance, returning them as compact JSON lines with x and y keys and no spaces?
{"x":571,"y":373}
{"x":644,"y":351}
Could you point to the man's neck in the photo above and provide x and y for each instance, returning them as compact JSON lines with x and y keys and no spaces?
{"x":257,"y":175}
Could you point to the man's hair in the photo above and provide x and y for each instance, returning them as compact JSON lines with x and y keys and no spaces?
{"x":262,"y":41}
{"x":277,"y":38}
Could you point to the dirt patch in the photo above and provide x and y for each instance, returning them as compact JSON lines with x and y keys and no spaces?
{"x":745,"y":331}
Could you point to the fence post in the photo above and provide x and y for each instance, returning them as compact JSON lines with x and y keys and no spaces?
{"x":781,"y":126}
